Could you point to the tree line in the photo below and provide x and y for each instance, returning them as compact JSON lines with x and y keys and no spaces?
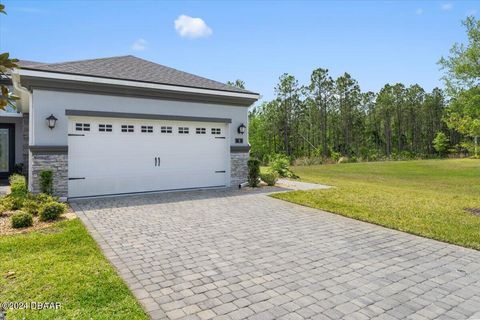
{"x":332,"y":117}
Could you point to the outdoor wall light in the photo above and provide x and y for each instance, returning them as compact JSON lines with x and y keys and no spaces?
{"x":51,"y":121}
{"x":241,"y":129}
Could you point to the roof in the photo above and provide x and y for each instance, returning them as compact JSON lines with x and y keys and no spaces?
{"x":27,"y":63}
{"x":131,"y":68}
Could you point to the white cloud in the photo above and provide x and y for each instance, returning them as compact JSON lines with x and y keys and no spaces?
{"x":419,"y":11}
{"x":139,"y":45}
{"x":447,"y":6}
{"x":191,"y":27}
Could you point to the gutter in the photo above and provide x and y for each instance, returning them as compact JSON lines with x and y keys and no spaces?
{"x":134,"y":83}
{"x":17,"y":86}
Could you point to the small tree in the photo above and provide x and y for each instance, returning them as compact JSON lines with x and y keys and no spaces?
{"x":253,"y":172}
{"x":237,"y":83}
{"x":46,"y":181}
{"x":440,"y":143}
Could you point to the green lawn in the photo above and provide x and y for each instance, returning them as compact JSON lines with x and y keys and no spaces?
{"x":425,"y":197}
{"x":63,"y":264}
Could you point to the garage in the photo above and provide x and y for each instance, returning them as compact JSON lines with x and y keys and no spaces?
{"x":124,"y":125}
{"x":108,"y":155}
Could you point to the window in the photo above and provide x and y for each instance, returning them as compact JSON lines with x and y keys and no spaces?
{"x":238,"y":140}
{"x":183,"y":130}
{"x":82,"y":126}
{"x":200,"y":131}
{"x":148,"y":129}
{"x":166,"y":129}
{"x":216,"y":131}
{"x":105,"y":127}
{"x":127,"y":128}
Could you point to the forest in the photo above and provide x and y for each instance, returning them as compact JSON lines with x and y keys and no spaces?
{"x":331,"y":118}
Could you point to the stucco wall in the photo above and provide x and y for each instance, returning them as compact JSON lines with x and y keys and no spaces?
{"x":46,"y":102}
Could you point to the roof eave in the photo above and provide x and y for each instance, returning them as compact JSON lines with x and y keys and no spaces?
{"x":67,"y":74}
{"x":79,"y":83}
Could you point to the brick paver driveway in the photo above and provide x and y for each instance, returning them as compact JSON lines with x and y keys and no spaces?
{"x":235,"y":255}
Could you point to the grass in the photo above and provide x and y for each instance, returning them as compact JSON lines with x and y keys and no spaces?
{"x":425,"y":197}
{"x":63,"y":264}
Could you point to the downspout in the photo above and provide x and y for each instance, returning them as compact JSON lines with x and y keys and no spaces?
{"x":29,"y":98}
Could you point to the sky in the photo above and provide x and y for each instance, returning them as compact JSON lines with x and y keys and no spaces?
{"x":257,"y":41}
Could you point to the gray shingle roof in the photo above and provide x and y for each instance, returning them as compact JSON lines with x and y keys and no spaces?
{"x":28,"y":63}
{"x":132,"y":68}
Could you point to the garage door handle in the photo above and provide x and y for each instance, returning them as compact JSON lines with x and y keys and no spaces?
{"x":157,"y":161}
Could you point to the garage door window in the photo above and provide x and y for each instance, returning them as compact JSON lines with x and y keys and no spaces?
{"x":82,"y":126}
{"x":200,"y":131}
{"x":166,"y":129}
{"x":216,"y":131}
{"x":127,"y":128}
{"x":105,"y":128}
{"x":183,"y":130}
{"x":147,"y":129}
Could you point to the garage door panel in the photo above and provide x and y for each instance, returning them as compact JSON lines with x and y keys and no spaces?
{"x":124,"y":162}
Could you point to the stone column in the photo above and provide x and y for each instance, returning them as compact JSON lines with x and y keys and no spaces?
{"x":238,"y":167}
{"x":50,"y":159}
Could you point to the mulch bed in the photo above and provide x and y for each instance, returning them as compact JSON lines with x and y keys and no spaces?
{"x":6,"y":226}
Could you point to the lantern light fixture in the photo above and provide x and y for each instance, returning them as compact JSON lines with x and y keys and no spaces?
{"x":241,"y":129}
{"x":51,"y":121}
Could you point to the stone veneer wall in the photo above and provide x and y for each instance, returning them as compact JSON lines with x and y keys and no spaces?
{"x":25,"y":134}
{"x":58,"y":163}
{"x":239,"y":168}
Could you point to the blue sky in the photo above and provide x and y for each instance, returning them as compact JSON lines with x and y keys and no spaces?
{"x":376,"y":42}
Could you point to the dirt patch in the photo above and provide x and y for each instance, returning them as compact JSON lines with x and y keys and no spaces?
{"x":6,"y":227}
{"x":474,"y":211}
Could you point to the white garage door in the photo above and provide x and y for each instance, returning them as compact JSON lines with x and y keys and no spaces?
{"x":115,"y":156}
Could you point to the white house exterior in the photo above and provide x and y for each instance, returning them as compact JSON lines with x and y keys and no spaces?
{"x":126,"y":125}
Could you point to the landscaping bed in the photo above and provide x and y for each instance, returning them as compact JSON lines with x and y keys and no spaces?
{"x":7,"y":229}
{"x":22,"y":211}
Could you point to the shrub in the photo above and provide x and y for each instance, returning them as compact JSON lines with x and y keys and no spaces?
{"x":253,"y":172}
{"x":46,"y":181}
{"x":335,"y":156}
{"x":44,"y":198}
{"x":270,"y":177}
{"x":343,"y":160}
{"x":440,"y":143}
{"x":18,"y":186}
{"x":280,"y":163}
{"x":51,"y":210}
{"x":31,"y":206}
{"x":21,"y":220}
{"x":308,"y":161}
{"x":12,"y":203}
{"x":6,"y":204}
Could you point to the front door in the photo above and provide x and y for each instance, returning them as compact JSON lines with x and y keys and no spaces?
{"x":7,"y":149}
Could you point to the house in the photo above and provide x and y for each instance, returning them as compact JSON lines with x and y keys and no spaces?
{"x":124,"y":125}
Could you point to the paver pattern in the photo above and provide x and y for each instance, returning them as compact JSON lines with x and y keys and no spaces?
{"x":224,"y":254}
